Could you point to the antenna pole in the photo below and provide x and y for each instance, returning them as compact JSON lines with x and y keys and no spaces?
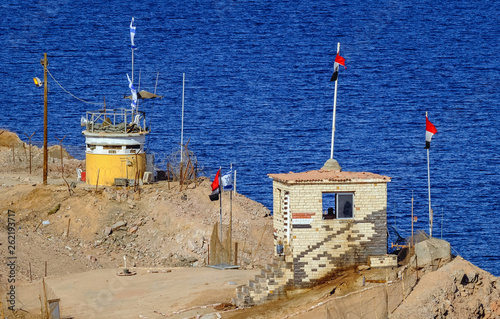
{"x":334,"y":107}
{"x":182,"y":115}
{"x":156,"y":84}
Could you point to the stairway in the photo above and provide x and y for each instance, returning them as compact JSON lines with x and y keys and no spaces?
{"x":271,"y":284}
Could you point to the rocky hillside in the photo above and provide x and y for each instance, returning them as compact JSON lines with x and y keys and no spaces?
{"x":159,"y":225}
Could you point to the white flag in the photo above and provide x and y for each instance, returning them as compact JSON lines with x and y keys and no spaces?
{"x":134,"y":94}
{"x":227,"y":181}
{"x":132,"y":33}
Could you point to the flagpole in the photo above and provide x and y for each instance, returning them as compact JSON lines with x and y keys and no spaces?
{"x":429,"y":189}
{"x":132,"y":65}
{"x":132,"y":47}
{"x":220,"y":205}
{"x":230,"y":219}
{"x":334,"y":107}
{"x":138,"y":90}
{"x":412,"y":220}
{"x":182,"y":116}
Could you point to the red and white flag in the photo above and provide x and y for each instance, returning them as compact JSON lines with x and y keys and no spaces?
{"x":215,"y":187}
{"x":430,"y":130}
{"x":338,"y":61}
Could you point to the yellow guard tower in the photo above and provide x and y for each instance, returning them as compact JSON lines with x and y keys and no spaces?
{"x":115,"y":146}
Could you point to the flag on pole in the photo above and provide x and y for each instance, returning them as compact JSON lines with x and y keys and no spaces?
{"x":338,"y":61}
{"x":430,"y":130}
{"x":227,"y":181}
{"x":132,"y":34}
{"x":134,"y":94}
{"x":215,"y":187}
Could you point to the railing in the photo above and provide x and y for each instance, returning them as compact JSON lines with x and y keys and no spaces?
{"x":115,"y":121}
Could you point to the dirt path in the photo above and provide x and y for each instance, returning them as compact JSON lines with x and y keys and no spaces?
{"x":104,"y":294}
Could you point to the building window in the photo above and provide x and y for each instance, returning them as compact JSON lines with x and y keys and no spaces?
{"x":338,"y":205}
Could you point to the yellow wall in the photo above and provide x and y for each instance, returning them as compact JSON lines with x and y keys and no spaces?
{"x":111,"y":166}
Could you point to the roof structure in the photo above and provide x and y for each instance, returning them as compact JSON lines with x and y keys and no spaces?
{"x":322,"y":176}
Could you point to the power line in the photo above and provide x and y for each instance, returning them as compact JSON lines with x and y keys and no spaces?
{"x":70,"y":92}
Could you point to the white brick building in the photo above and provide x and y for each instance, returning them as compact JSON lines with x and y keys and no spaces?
{"x":328,"y":220}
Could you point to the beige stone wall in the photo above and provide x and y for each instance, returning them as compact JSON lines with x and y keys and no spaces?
{"x":383,"y":261}
{"x":319,"y":247}
{"x":279,"y":222}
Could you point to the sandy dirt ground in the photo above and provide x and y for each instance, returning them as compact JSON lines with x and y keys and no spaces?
{"x":151,"y":293}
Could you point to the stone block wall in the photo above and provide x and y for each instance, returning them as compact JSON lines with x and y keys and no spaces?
{"x":383,"y":261}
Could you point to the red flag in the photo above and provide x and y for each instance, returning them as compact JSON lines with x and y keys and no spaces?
{"x":430,"y":130}
{"x":215,"y":183}
{"x":340,"y":60}
{"x":215,"y":187}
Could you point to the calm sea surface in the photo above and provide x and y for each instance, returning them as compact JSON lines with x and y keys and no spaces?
{"x":258,"y":93}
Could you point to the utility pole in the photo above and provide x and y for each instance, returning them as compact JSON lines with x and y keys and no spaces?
{"x":45,"y":63}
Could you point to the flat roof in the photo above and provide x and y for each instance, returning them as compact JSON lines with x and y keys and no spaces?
{"x":324,"y":176}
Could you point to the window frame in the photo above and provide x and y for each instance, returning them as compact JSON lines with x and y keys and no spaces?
{"x":335,"y":215}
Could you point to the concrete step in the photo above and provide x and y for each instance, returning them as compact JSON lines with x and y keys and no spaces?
{"x":267,"y":273}
{"x":260,"y":279}
{"x":253,"y":284}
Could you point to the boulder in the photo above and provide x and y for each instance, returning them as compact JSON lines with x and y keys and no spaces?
{"x":107,"y":231}
{"x":191,"y":259}
{"x":432,"y":251}
{"x":133,"y":229}
{"x":118,"y":225}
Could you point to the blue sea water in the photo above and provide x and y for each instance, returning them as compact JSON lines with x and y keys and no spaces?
{"x":258,"y":93}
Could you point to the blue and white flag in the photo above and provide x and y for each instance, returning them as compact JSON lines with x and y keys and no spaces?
{"x":134,"y":94}
{"x":132,"y":33}
{"x":227,"y":181}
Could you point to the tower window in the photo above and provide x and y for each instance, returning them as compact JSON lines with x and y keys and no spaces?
{"x":338,"y":205}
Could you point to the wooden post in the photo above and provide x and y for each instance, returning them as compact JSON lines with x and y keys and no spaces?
{"x":25,"y":154}
{"x":387,"y":290}
{"x":236,"y":253}
{"x":168,"y":175}
{"x":403,"y":284}
{"x":45,"y":63}
{"x":67,"y":231}
{"x":181,"y":181}
{"x":97,"y":181}
{"x":45,"y":268}
{"x":62,"y":166}
{"x":45,"y":300}
{"x":29,"y":139}
{"x":41,"y":306}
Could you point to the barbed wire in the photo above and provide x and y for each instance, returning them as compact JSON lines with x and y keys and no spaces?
{"x":82,"y":100}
